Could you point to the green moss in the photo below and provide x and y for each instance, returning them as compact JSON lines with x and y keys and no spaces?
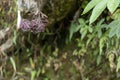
{"x":58,"y":9}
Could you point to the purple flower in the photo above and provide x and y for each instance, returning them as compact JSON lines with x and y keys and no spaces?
{"x":25,"y":25}
{"x":35,"y":25}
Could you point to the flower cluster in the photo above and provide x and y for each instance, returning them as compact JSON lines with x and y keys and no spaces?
{"x":35,"y":25}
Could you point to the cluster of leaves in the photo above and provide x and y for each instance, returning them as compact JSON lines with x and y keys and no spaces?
{"x":101,"y":39}
{"x":99,"y":6}
{"x":115,"y":28}
{"x":97,"y":42}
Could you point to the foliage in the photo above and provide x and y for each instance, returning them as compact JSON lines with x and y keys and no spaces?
{"x":105,"y":35}
{"x":115,"y":28}
{"x":84,"y":49}
{"x":99,"y":6}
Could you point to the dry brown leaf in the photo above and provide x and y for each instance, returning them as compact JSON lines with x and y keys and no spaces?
{"x":3,"y":32}
{"x":6,"y":45}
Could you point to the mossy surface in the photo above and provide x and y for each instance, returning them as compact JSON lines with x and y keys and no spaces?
{"x":56,"y":10}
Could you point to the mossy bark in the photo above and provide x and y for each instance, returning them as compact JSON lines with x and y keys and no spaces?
{"x":56,"y":10}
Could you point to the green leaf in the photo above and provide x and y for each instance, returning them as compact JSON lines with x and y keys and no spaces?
{"x":15,"y":38}
{"x":115,"y":28}
{"x":83,"y":31}
{"x":99,"y":59}
{"x":99,"y":27}
{"x":13,"y":63}
{"x":83,"y":34}
{"x":90,"y":5}
{"x":75,"y":27}
{"x":90,"y":37}
{"x":33,"y":73}
{"x":112,"y":32}
{"x":118,"y":32}
{"x":118,"y":64}
{"x":102,"y":42}
{"x":98,"y":10}
{"x":112,"y":5}
{"x":90,"y":29}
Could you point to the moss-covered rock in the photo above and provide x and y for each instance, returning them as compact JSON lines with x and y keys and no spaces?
{"x":56,"y":10}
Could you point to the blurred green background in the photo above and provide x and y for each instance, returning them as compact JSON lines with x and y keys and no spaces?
{"x":69,"y":49}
